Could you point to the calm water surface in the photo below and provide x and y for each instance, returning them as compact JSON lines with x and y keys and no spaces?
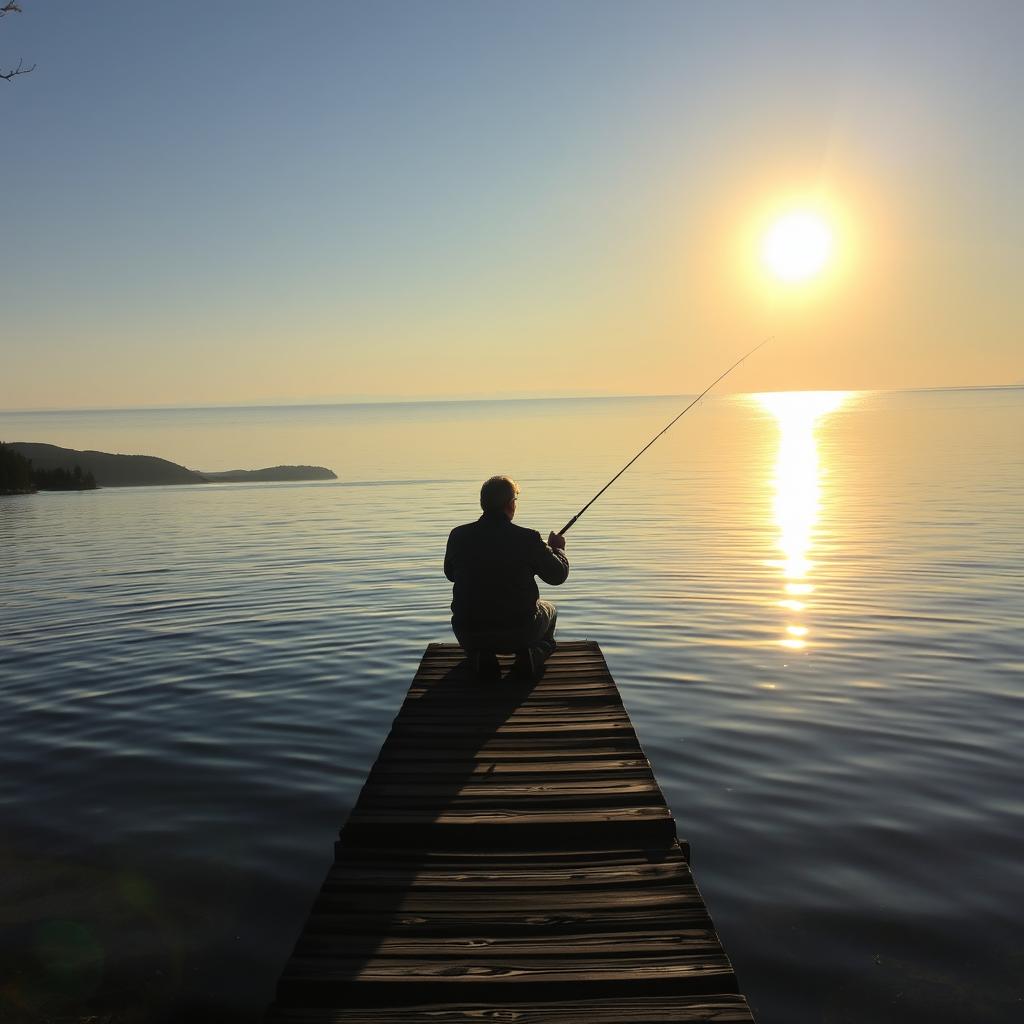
{"x":812,"y":603}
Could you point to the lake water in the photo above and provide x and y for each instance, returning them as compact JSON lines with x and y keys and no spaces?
{"x":812,"y":604}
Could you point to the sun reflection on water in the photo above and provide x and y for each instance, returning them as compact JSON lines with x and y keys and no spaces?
{"x":797,"y":485}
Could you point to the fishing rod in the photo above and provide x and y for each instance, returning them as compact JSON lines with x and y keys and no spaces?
{"x":568,"y":525}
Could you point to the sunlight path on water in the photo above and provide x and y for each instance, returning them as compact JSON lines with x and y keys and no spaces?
{"x":797,"y":483}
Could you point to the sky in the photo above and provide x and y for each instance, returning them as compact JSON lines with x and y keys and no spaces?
{"x":253,"y":202}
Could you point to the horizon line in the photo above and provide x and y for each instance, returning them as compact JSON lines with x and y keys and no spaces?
{"x":355,"y":402}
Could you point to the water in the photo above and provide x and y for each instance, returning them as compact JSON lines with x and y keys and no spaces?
{"x":812,"y":604}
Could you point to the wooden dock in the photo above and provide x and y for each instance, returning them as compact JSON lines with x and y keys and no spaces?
{"x":510,"y":858}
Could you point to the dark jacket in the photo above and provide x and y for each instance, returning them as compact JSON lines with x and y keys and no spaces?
{"x":492,"y":563}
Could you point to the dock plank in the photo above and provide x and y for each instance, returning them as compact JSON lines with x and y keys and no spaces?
{"x":720,"y":1009}
{"x":510,"y":852}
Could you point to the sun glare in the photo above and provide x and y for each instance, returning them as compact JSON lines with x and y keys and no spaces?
{"x":797,"y":246}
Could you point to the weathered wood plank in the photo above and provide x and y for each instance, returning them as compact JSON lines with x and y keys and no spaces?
{"x":696,"y":968}
{"x":541,"y":925}
{"x":392,"y":876}
{"x":580,"y":748}
{"x":712,"y":1009}
{"x":416,"y":983}
{"x":555,"y":712}
{"x":511,"y":829}
{"x":609,"y":944}
{"x":411,"y":767}
{"x":506,"y":814}
{"x":474,"y":858}
{"x":439,"y":732}
{"x":491,"y":789}
{"x":414,"y":901}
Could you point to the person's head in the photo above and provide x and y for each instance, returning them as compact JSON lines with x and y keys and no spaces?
{"x":499,"y":495}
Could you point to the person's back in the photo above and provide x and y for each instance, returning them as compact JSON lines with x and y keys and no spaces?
{"x":493,"y":563}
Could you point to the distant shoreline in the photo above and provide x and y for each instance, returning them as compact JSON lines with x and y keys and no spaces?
{"x":106,"y":469}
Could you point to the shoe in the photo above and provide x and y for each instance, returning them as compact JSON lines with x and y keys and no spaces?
{"x":526,"y":664}
{"x":485,"y":666}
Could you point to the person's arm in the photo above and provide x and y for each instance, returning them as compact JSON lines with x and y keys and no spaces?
{"x":551,"y":563}
{"x":449,"y":558}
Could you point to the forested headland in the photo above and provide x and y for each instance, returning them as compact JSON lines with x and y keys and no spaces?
{"x":33,"y":466}
{"x":19,"y":476}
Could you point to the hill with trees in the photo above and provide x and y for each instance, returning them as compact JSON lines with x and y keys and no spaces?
{"x":19,"y":476}
{"x":31,"y":465}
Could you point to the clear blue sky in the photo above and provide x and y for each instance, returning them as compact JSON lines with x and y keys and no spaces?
{"x":251,"y":201}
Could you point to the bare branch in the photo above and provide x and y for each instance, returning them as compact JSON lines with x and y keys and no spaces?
{"x":11,"y":7}
{"x":19,"y":70}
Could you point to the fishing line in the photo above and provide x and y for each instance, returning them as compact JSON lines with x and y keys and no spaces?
{"x":568,"y":525}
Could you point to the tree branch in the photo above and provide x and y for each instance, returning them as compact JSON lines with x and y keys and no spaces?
{"x":12,"y":7}
{"x":19,"y":70}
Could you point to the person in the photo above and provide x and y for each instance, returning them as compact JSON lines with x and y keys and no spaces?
{"x":496,"y":606}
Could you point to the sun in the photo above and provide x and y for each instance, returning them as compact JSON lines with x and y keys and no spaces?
{"x":797,"y":246}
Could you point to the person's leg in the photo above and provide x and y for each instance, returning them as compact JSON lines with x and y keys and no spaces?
{"x":479,"y":653}
{"x":540,"y":640}
{"x":543,"y":639}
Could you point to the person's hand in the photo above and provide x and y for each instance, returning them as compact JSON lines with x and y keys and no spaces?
{"x":557,"y":541}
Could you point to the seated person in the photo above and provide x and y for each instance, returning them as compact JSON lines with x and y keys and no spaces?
{"x":495,"y":602}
